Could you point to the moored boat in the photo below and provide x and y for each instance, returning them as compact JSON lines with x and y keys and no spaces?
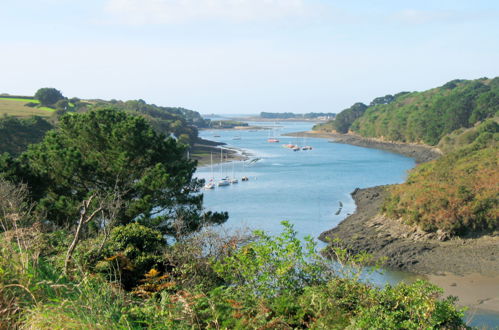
{"x":209,"y":185}
{"x":223,"y":182}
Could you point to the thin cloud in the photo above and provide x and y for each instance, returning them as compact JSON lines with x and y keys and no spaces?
{"x":416,"y":17}
{"x":141,"y":12}
{"x":413,"y":16}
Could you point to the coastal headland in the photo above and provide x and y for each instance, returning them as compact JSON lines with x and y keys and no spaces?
{"x":466,"y":267}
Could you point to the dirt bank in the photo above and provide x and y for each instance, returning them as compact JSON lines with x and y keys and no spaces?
{"x":202,"y":150}
{"x":420,"y":153}
{"x":448,"y":263}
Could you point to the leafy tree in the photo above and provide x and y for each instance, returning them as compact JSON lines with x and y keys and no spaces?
{"x":48,"y":96}
{"x":344,"y":119}
{"x":382,"y":100}
{"x":108,"y":152}
{"x":17,"y":133}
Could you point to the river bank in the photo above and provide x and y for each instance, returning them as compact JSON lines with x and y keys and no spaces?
{"x":203,"y":150}
{"x":465,"y":267}
{"x":420,"y":153}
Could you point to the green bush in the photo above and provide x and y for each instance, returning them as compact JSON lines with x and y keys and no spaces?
{"x":270,"y":265}
{"x":131,"y":252}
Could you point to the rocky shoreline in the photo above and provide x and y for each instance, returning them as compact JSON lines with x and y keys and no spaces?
{"x":408,"y":248}
{"x":420,"y":153}
{"x":463,"y":267}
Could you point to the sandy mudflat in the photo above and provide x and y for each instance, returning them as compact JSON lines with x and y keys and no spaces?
{"x":473,"y":290}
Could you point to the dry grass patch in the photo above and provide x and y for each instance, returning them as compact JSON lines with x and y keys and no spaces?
{"x":18,"y":108}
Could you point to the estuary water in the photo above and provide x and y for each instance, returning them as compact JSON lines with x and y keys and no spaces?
{"x":302,"y":187}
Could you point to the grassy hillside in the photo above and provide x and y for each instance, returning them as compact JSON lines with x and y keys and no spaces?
{"x":18,"y":107}
{"x":182,"y":123}
{"x":425,"y":117}
{"x":457,"y":193}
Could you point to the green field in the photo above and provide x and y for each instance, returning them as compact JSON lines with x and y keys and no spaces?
{"x":17,"y":108}
{"x":20,"y":99}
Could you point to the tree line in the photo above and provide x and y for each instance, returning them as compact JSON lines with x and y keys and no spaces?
{"x":291,"y":115}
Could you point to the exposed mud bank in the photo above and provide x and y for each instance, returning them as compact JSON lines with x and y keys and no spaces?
{"x":465,"y":267}
{"x":420,"y":153}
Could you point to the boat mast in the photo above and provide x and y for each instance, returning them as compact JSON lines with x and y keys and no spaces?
{"x":221,"y":161}
{"x":211,"y":162}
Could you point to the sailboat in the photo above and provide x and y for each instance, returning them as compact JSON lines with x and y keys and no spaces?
{"x":210,"y":184}
{"x":233,"y":180}
{"x":273,"y":139}
{"x":224,"y":181}
{"x":306,"y":147}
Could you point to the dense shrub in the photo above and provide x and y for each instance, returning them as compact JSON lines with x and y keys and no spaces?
{"x":301,"y":292}
{"x":456,"y":193}
{"x":132,"y":251}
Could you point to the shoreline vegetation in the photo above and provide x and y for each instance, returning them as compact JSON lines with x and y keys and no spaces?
{"x":419,"y":152}
{"x":466,"y":267}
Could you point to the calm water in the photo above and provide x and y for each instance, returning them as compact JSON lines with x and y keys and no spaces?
{"x":304,"y":187}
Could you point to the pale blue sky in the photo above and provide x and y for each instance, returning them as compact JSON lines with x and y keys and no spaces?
{"x":245,"y":56}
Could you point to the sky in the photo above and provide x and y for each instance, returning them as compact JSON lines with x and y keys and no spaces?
{"x":245,"y":56}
